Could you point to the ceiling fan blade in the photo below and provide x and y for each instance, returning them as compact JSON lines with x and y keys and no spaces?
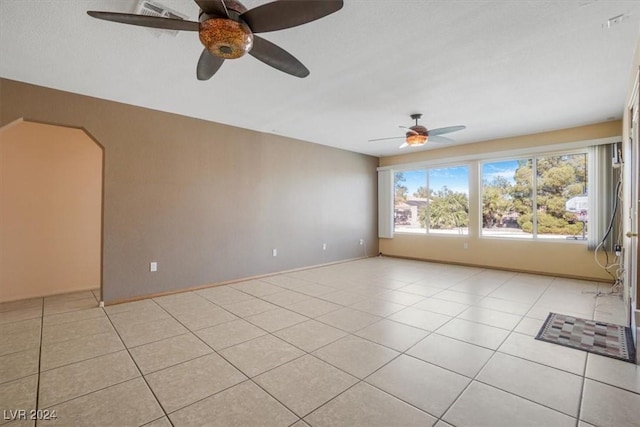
{"x":408,"y":130}
{"x":404,"y":145}
{"x":442,"y":131}
{"x":440,"y":139}
{"x":213,"y":7}
{"x":282,"y":14}
{"x":146,"y":21}
{"x":208,"y":64}
{"x":277,"y":57}
{"x":386,"y":139}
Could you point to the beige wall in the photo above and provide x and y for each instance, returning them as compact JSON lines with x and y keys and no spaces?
{"x":50,"y":210}
{"x":556,"y":258}
{"x":209,"y":202}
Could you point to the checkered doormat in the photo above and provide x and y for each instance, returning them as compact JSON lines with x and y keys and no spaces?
{"x":606,"y":339}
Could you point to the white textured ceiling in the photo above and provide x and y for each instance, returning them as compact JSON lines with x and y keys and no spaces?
{"x":502,"y":68}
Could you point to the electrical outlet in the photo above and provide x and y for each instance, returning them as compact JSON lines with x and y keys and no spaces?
{"x":465,"y":245}
{"x":153,"y":266}
{"x":361,"y":242}
{"x":274,"y":252}
{"x":324,"y":246}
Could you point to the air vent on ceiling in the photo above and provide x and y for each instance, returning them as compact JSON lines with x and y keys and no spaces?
{"x":152,"y":8}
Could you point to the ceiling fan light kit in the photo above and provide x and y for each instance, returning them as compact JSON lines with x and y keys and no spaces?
{"x":226,"y":38}
{"x":227,"y":30}
{"x":418,"y":135}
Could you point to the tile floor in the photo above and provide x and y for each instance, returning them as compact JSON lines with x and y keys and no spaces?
{"x":380,"y":341}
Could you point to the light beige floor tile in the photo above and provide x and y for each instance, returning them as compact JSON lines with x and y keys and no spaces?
{"x":442,"y":424}
{"x":556,"y":356}
{"x":583,"y":424}
{"x":421,"y":290}
{"x":482,"y":405}
{"x":228,"y":334}
{"x":399,"y":297}
{"x":224,"y":295}
{"x":168,"y":352}
{"x":260,"y":354}
{"x":20,"y":314}
{"x":146,"y":314}
{"x":73,"y":316}
{"x":392,"y":334}
{"x":181,"y":300}
{"x":135,"y":334}
{"x":356,"y":356}
{"x":511,"y":307}
{"x":257,"y":288}
{"x":71,"y":351}
{"x":312,"y":289}
{"x":73,"y":330}
{"x":28,"y":337}
{"x":421,"y":384}
{"x":305,"y":384}
{"x":607,"y":406}
{"x":348,"y":319}
{"x":160,"y":422}
{"x":475,"y":286}
{"x":286,"y":298}
{"x":547,"y":386}
{"x":21,"y":304}
{"x":541,"y":313}
{"x":363,"y":405}
{"x":64,"y":306}
{"x":250,"y":307}
{"x":134,"y":402}
{"x":485,"y":316}
{"x":613,"y":372}
{"x":378,"y":307}
{"x":310,"y":335}
{"x":459,"y":297}
{"x":519,"y":292}
{"x":70,"y":381}
{"x":314,"y":307}
{"x":202,"y":317}
{"x":274,"y":320}
{"x":134,"y":306}
{"x":458,"y":356}
{"x":184,"y":384}
{"x":474,"y":333}
{"x":448,"y":308}
{"x":20,"y":423}
{"x":300,"y":423}
{"x":422,"y":319}
{"x":344,"y":297}
{"x":22,"y":326}
{"x":18,"y":394}
{"x":18,"y":365}
{"x":69,"y":296}
{"x":243,"y":405}
{"x":529,"y":326}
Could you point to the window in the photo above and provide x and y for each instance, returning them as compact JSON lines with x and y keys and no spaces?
{"x":439,"y":204}
{"x":553,"y":206}
{"x":410,"y":201}
{"x":449,"y":200}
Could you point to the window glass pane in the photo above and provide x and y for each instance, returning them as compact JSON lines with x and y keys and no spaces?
{"x":448,"y":200}
{"x":410,"y":201}
{"x":562,"y":200}
{"x":507,"y":203}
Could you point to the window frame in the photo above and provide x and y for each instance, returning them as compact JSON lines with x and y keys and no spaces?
{"x":534,"y":192}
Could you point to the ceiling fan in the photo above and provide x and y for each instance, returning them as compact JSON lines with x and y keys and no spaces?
{"x":418,"y":135}
{"x":227,"y":30}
